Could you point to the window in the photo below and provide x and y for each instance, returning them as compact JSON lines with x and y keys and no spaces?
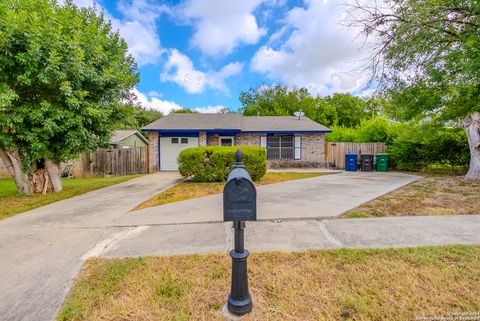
{"x":184,"y":140}
{"x":225,"y":141}
{"x":280,"y":147}
{"x":174,"y":140}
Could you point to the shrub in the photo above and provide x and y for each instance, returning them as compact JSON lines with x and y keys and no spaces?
{"x":418,"y":145}
{"x":213,"y":163}
{"x":375,"y":129}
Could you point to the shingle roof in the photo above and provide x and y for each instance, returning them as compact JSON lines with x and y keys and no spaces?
{"x":197,"y":121}
{"x":121,"y":134}
{"x":280,"y":123}
{"x":234,"y":121}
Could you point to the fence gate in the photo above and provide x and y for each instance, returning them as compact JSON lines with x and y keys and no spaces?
{"x":335,"y":152}
{"x":115,"y":162}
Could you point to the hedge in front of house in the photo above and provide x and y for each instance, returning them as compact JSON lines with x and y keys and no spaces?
{"x":213,"y":163}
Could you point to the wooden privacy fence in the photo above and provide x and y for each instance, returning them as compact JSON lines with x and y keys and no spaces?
{"x":335,"y":152}
{"x":114,"y":162}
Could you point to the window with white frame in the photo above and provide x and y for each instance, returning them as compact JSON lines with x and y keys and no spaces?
{"x":225,"y":141}
{"x":280,"y":147}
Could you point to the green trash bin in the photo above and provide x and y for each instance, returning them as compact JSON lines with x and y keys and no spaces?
{"x":381,"y":164}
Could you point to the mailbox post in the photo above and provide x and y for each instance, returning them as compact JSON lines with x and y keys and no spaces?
{"x":239,"y":205}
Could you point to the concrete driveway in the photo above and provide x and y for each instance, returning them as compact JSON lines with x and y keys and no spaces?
{"x":312,"y":198}
{"x":42,"y":250}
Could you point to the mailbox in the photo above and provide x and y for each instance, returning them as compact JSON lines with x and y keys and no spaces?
{"x":239,"y":205}
{"x":239,"y":194}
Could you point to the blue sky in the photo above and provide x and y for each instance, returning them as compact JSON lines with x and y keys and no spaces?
{"x":201,"y":54}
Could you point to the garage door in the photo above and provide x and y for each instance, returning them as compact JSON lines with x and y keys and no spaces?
{"x":170,"y":147}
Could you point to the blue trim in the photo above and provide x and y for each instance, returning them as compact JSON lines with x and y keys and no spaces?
{"x":218,"y":131}
{"x":159,"y":168}
{"x":286,"y":132}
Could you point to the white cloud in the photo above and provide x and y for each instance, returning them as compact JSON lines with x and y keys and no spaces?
{"x":211,"y":109}
{"x":319,"y":51}
{"x":220,"y":26}
{"x":165,"y":106}
{"x":147,"y":101}
{"x":180,"y":70}
{"x":137,"y":27}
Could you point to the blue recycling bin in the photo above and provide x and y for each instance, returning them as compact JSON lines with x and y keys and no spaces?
{"x":351,"y":162}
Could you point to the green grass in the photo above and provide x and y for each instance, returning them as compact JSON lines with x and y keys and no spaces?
{"x":13,"y":203}
{"x":341,"y":284}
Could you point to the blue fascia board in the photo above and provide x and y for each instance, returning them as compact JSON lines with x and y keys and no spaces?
{"x":287,"y":132}
{"x":237,"y":131}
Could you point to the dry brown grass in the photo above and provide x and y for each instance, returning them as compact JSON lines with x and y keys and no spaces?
{"x":189,"y":190}
{"x":433,"y":195}
{"x":388,"y":284}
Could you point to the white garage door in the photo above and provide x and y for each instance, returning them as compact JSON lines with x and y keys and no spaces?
{"x":170,"y":147}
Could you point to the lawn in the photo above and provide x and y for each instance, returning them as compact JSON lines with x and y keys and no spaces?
{"x":188,"y":190}
{"x":342,"y":284}
{"x":13,"y":203}
{"x":433,"y":195}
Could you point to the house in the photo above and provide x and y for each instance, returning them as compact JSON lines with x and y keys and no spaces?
{"x":127,"y":139}
{"x":286,"y":138}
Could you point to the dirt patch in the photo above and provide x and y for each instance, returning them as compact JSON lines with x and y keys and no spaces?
{"x":433,"y":195}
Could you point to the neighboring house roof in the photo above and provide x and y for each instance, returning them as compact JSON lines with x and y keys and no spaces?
{"x":121,"y":134}
{"x":235,"y":122}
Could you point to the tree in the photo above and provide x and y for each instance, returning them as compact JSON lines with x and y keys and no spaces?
{"x":427,"y":57}
{"x":135,"y":116}
{"x":63,"y":76}
{"x":184,"y":111}
{"x":335,"y":110}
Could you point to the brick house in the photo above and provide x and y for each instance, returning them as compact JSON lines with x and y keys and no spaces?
{"x":298,"y":141}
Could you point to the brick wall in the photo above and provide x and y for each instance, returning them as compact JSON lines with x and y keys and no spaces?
{"x":202,"y":139}
{"x":313,"y":148}
{"x":152,"y":152}
{"x":213,"y":140}
{"x":248,"y":139}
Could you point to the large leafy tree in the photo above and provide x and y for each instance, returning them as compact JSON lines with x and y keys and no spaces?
{"x":427,"y":57}
{"x":63,"y":77}
{"x":338,"y":109}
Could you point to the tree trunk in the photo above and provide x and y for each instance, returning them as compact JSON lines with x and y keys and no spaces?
{"x":12,"y":161}
{"x":54,"y":174}
{"x":472,"y":128}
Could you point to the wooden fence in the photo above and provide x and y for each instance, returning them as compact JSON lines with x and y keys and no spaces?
{"x":335,"y":152}
{"x":114,"y":162}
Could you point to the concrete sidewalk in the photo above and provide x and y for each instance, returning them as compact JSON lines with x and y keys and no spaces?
{"x":299,"y":235}
{"x":312,"y":198}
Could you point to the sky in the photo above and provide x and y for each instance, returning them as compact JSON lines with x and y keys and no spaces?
{"x":201,"y":54}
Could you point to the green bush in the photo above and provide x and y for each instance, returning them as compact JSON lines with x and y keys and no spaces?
{"x":213,"y":163}
{"x":416,"y":146}
{"x":375,"y":129}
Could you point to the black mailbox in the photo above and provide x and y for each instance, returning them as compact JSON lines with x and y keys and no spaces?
{"x":239,"y":194}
